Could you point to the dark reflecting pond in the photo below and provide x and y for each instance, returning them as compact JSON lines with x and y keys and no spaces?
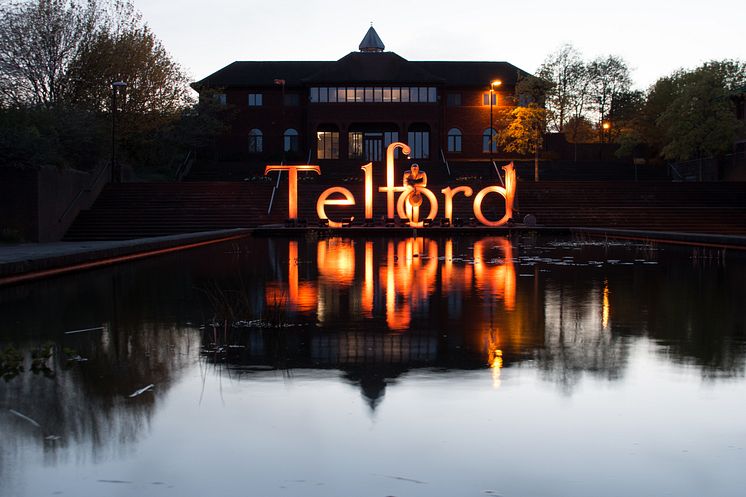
{"x":381,"y":367}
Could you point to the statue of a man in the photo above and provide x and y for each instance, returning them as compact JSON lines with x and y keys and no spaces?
{"x":415,"y":179}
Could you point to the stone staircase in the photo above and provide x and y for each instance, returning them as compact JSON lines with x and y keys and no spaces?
{"x":133,"y":210}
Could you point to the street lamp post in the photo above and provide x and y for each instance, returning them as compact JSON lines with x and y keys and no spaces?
{"x":605,"y":134}
{"x":281,"y":82}
{"x":116,"y":172}
{"x":491,"y":143}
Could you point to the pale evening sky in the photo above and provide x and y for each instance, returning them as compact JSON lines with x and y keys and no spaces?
{"x":655,"y":37}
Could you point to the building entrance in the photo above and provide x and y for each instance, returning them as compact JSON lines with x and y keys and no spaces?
{"x":373,"y":146}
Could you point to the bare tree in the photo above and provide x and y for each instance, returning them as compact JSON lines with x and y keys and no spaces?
{"x":610,"y":80}
{"x":38,"y":41}
{"x":562,"y":69}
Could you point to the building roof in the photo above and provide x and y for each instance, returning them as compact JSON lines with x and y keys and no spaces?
{"x":255,"y":73}
{"x":474,"y":73}
{"x":361,"y":68}
{"x":371,"y":42}
{"x":372,"y":67}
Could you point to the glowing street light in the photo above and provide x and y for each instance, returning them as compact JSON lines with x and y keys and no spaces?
{"x":605,"y":126}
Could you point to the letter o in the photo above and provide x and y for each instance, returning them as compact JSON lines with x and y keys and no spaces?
{"x":478,"y":206}
{"x":404,"y":198}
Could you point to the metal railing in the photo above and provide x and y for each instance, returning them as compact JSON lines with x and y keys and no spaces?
{"x":184,"y":168}
{"x":499,"y":176}
{"x":274,"y":190}
{"x":445,"y":161}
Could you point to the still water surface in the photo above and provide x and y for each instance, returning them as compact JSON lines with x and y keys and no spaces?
{"x":381,"y":367}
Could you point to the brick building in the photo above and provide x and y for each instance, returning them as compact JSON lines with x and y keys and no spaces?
{"x":334,"y":112}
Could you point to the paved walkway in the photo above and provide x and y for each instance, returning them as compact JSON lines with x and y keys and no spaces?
{"x":27,"y":261}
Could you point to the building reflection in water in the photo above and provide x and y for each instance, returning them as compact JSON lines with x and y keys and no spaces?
{"x":373,"y":310}
{"x":381,"y":302}
{"x":454,"y":303}
{"x":396,"y":277}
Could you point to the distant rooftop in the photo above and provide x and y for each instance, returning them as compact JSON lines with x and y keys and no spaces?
{"x":362,"y":68}
{"x":372,"y":42}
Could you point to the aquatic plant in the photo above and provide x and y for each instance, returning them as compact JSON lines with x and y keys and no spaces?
{"x":11,"y":363}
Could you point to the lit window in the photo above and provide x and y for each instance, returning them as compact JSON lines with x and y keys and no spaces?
{"x":395,"y":94}
{"x":405,"y":94}
{"x":255,"y":99}
{"x":486,"y":98}
{"x":414,"y":95}
{"x":355,"y":146}
{"x":369,"y":94}
{"x":359,"y":94}
{"x":454,"y":100}
{"x":327,"y":146}
{"x":387,"y":94}
{"x":341,"y":95}
{"x":454,"y":140}
{"x":290,"y":140}
{"x":378,"y":94}
{"x":489,"y":140}
{"x":255,"y":141}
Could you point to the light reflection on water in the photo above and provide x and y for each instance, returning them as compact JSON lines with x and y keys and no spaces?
{"x":394,"y":367}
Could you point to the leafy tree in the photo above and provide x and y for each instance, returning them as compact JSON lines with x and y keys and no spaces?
{"x":63,"y":55}
{"x":523,"y":132}
{"x":584,"y":131}
{"x":156,"y":85}
{"x":64,"y":138}
{"x":689,"y":114}
{"x":700,"y":119}
{"x":531,"y":89}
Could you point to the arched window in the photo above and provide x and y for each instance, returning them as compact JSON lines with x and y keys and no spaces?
{"x":454,"y":140}
{"x":255,"y":141}
{"x":489,"y":140}
{"x":290,"y":140}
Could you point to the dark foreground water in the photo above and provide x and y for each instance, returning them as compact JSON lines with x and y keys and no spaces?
{"x":383,"y":367}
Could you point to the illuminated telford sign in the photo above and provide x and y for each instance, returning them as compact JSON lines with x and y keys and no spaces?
{"x":411,"y":192}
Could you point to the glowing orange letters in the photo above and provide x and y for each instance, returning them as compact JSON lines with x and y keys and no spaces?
{"x":293,"y":184}
{"x":404,"y":206}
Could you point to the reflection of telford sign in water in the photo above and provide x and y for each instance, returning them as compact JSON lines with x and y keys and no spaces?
{"x":394,"y":279}
{"x":410,"y":198}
